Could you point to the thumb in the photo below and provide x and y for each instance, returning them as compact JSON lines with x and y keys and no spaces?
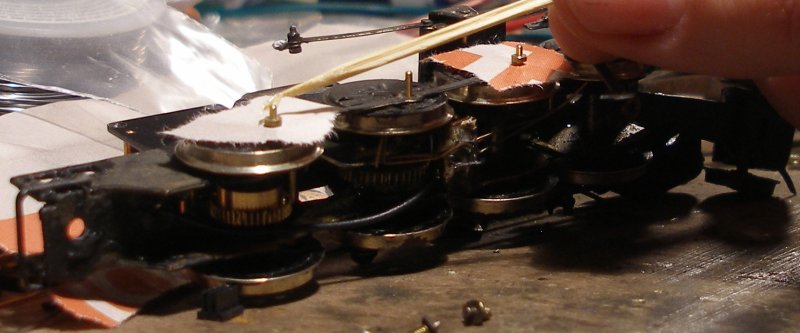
{"x":783,"y":92}
{"x":737,"y":39}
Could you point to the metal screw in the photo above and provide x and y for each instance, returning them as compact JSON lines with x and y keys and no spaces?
{"x":427,"y":326}
{"x":519,"y":58}
{"x":475,"y":313}
{"x":273,"y":120}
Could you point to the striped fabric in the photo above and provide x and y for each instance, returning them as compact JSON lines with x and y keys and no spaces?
{"x":108,"y":296}
{"x":492,"y":63}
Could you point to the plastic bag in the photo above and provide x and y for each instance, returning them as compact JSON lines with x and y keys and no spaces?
{"x":139,"y":53}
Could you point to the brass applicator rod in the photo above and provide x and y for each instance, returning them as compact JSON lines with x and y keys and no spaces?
{"x":422,"y":43}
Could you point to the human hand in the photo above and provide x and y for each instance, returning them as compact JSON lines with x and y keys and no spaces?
{"x":744,"y":39}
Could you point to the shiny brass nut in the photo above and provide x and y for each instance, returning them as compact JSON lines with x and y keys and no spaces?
{"x":474,"y":312}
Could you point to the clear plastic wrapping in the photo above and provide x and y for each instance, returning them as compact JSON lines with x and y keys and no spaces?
{"x":139,"y":53}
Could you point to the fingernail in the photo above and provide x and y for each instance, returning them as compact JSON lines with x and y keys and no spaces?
{"x":627,"y":17}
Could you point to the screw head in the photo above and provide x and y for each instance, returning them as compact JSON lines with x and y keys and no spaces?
{"x":474,"y":312}
{"x":433,"y":327}
{"x":427,"y":326}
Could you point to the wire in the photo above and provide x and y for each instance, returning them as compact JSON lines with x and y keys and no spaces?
{"x":376,"y":218}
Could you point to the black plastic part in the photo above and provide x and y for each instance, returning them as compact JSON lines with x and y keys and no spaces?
{"x":746,"y":131}
{"x":758,"y":138}
{"x":125,"y":189}
{"x":220,"y":303}
{"x":542,"y":23}
{"x":743,"y":182}
{"x":672,"y":165}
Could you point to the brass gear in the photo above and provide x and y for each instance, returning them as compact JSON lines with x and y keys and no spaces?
{"x":252,"y":209}
{"x":251,"y":218}
{"x":386,"y":178}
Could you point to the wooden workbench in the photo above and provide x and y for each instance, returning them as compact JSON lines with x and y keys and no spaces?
{"x":696,"y":260}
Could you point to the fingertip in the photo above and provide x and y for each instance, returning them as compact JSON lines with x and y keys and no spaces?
{"x":783,"y":93}
{"x":572,"y":43}
{"x":740,"y":39}
{"x":593,"y":31}
{"x":624,"y":17}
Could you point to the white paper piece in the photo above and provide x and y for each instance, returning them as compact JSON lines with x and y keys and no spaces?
{"x":89,"y":118}
{"x":314,"y":194}
{"x":52,"y":136}
{"x":304,"y":122}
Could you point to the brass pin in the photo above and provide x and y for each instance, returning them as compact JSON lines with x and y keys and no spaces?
{"x":409,"y":84}
{"x":273,"y":120}
{"x":127,"y":149}
{"x":519,"y":58}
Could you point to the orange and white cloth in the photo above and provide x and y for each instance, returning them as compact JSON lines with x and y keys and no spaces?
{"x":492,"y":64}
